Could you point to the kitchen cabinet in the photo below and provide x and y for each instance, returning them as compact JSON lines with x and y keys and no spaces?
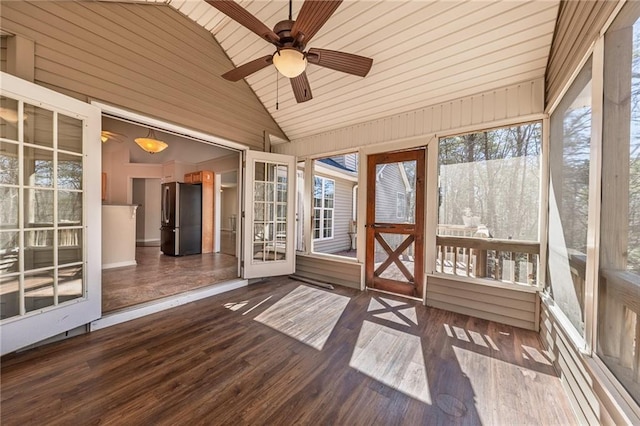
{"x":205,"y":178}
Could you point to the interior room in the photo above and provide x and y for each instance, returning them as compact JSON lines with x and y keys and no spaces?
{"x":135,"y":268}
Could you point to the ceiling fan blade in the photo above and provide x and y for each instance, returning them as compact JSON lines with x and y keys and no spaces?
{"x":312,"y":16}
{"x":249,"y":68}
{"x":340,"y":61}
{"x":239,"y":14}
{"x":301,"y":88}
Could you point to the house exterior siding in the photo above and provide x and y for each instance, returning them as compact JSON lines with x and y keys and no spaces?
{"x":171,"y":72}
{"x":342,"y":212}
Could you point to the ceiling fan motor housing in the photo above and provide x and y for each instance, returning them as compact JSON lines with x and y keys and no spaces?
{"x":283,"y":29}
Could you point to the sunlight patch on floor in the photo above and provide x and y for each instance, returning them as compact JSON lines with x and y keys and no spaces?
{"x":306,"y":314}
{"x":392,"y":357}
{"x":470,"y":336}
{"x":393,"y":310}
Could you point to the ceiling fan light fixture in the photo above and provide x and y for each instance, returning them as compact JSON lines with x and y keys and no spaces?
{"x":290,"y":62}
{"x":150,"y":143}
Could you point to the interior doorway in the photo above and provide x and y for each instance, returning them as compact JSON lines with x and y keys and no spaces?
{"x":395,"y":222}
{"x":136,"y":271}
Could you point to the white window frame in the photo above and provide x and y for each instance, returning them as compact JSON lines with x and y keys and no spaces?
{"x":322,"y":210}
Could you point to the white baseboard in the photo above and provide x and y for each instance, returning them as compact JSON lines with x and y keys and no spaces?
{"x":154,"y":306}
{"x":119,"y":264}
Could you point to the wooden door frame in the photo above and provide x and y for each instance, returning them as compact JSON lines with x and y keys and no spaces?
{"x":417,"y":154}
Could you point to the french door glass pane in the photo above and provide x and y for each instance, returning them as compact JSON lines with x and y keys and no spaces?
{"x":9,"y":120}
{"x":270,"y":195}
{"x":38,"y":290}
{"x":69,"y":246}
{"x":38,"y":126}
{"x":9,"y":296}
{"x":38,"y":207}
{"x":8,"y":163}
{"x":69,"y":208}
{"x":38,"y":252}
{"x":69,"y":133}
{"x":69,"y":171}
{"x":9,"y":207}
{"x":70,"y":283}
{"x":38,"y":167}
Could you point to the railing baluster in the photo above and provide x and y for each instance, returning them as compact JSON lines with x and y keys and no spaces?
{"x":468,"y":267}
{"x":442,"y":254}
{"x":513,"y":268}
{"x":529,"y":269}
{"x":455,"y":261}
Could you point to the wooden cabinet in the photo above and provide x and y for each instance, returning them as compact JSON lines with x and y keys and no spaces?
{"x":205,"y":178}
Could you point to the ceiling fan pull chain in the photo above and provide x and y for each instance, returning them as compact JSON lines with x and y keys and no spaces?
{"x":277,"y":87}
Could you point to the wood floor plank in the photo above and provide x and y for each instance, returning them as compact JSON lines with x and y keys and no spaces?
{"x":212,"y":362}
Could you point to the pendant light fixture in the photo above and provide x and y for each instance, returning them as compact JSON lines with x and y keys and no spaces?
{"x":150,"y":143}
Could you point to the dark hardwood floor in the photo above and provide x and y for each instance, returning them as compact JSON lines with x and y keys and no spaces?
{"x":157,"y":275}
{"x":283,"y":352}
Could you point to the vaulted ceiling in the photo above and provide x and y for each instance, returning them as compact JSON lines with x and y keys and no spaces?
{"x":424,"y":52}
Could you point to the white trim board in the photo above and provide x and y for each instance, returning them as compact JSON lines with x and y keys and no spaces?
{"x":160,"y":305}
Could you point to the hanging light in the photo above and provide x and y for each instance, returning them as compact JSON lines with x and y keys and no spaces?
{"x":150,"y":143}
{"x":290,"y":62}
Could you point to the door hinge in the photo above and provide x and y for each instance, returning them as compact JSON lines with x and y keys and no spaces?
{"x":242,"y":263}
{"x":242,"y":215}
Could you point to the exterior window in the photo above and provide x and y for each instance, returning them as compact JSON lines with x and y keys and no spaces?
{"x":618,"y":342}
{"x":489,"y":189}
{"x":323,"y":207}
{"x":570,"y":147}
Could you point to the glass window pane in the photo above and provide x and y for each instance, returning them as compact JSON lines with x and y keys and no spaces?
{"x":38,"y":252}
{"x":9,"y":163}
{"x":70,"y":283}
{"x":9,"y":251}
{"x":8,"y":118}
{"x":38,"y":290}
{"x":9,"y":296}
{"x":69,"y":208}
{"x":489,"y":183}
{"x":69,"y":171}
{"x":38,"y":126}
{"x":259,"y":171}
{"x":568,"y":198}
{"x":9,"y":206}
{"x":38,"y":207}
{"x":38,"y":167}
{"x":69,"y":246}
{"x":69,"y":133}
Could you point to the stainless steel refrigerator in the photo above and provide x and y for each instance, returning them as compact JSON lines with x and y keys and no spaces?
{"x":181,"y":227}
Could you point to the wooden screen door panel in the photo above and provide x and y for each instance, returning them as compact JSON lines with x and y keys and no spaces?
{"x":395,"y":222}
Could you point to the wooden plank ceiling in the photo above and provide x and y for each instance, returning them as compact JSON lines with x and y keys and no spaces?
{"x":424,"y":52}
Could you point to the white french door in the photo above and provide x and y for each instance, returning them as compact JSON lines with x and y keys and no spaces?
{"x":269,"y":215}
{"x":50,"y":214}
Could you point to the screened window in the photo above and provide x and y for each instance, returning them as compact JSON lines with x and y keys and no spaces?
{"x":619,"y":283}
{"x":570,"y":148}
{"x":401,"y":205}
{"x":323,"y":207}
{"x":489,"y":188}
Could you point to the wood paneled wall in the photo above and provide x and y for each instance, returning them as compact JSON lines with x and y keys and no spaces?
{"x":143,"y":57}
{"x":344,"y":273}
{"x":3,"y":53}
{"x":577,"y":27}
{"x":484,"y":110}
{"x":513,"y":307}
{"x":592,"y":403}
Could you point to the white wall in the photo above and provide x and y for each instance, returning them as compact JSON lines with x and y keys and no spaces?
{"x":152,"y":210}
{"x":138,"y":199}
{"x":229,"y":207}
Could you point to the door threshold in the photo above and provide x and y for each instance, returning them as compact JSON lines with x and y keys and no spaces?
{"x":395,"y":294}
{"x":154,"y":306}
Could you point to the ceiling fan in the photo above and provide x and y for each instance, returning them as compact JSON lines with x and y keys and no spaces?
{"x":290,"y":39}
